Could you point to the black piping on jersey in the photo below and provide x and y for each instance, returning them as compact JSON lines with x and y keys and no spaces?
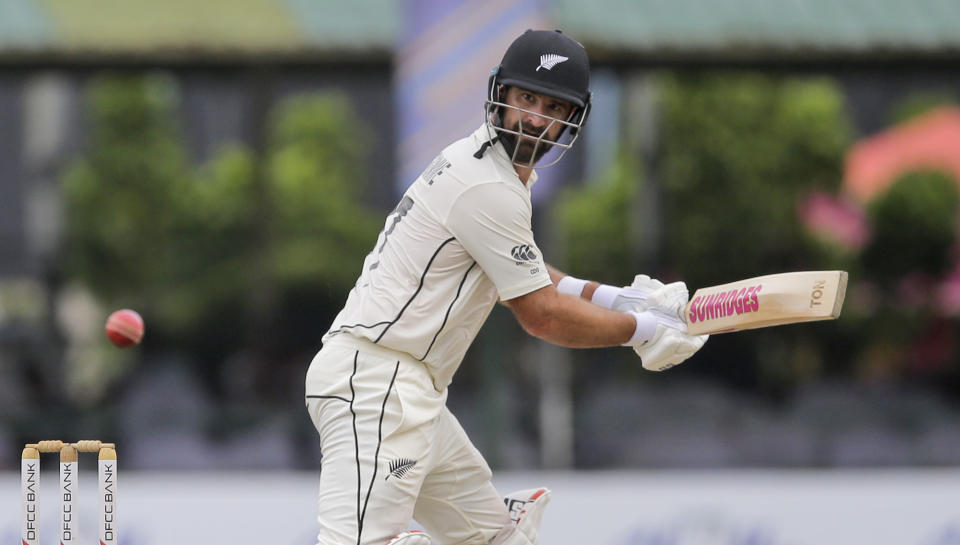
{"x":376,"y":454}
{"x":356,"y":437}
{"x":329,"y":397}
{"x":356,"y":444}
{"x":341,"y":328}
{"x":390,"y":323}
{"x":361,"y":513}
{"x":485,"y":145}
{"x":449,"y":309}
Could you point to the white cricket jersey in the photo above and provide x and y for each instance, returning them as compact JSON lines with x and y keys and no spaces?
{"x":459,"y":239}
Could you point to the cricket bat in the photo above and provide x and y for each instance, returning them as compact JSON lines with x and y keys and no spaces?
{"x":765,"y":301}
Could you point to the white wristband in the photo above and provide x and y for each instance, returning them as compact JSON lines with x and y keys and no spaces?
{"x":571,"y":286}
{"x":646,"y":328}
{"x":605,"y":295}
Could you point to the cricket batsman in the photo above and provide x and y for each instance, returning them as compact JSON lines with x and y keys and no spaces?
{"x":459,"y":241}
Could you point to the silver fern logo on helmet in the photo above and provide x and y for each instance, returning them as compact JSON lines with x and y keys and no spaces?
{"x":549,"y":61}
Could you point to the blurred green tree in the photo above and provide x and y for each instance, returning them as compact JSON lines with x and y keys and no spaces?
{"x":739,"y":151}
{"x":596,"y":226}
{"x":904,"y":332}
{"x":914,"y":228}
{"x":315,"y":164}
{"x":125,"y":189}
{"x":192,"y":247}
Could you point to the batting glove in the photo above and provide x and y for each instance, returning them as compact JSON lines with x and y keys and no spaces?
{"x":670,"y":344}
{"x":628,"y":298}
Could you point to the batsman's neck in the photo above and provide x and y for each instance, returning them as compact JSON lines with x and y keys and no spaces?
{"x":523,"y":173}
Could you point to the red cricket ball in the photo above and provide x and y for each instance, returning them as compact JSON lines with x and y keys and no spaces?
{"x":124,"y":328}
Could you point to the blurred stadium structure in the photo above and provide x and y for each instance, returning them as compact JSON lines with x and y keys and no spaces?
{"x":879,"y":388}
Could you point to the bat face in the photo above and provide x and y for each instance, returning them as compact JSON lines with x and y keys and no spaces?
{"x":765,"y":301}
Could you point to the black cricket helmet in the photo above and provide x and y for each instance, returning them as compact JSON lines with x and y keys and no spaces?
{"x":546,"y":62}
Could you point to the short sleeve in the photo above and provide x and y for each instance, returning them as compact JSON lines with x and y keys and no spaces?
{"x":493,"y":223}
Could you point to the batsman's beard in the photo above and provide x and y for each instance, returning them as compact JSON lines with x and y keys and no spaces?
{"x":529,"y":151}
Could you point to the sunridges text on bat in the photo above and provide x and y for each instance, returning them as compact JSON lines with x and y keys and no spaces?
{"x":765,"y":301}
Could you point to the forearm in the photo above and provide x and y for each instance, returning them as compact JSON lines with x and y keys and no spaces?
{"x":569,"y":321}
{"x":582,"y":325}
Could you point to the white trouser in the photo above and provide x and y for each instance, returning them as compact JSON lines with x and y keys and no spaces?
{"x":392,"y":452}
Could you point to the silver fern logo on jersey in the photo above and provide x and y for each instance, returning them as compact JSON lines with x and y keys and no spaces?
{"x":550,"y":60}
{"x":400,"y":467}
{"x":523,"y":253}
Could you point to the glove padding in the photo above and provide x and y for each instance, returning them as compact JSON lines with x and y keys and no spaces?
{"x":671,"y":344}
{"x":634,"y":296}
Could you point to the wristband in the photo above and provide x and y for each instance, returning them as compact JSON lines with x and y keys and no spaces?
{"x":571,"y":286}
{"x":605,"y":295}
{"x":646,"y":328}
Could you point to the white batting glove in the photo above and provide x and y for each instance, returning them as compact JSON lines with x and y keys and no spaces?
{"x":670,"y":344}
{"x":634,"y":296}
{"x":644,"y":282}
{"x":627,"y":298}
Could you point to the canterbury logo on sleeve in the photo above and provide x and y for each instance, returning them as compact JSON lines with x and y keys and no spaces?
{"x":523,"y":253}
